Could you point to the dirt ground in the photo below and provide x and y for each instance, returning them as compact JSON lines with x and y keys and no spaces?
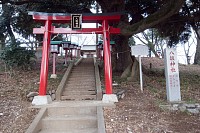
{"x":140,"y":112}
{"x":136,"y":113}
{"x":15,"y":114}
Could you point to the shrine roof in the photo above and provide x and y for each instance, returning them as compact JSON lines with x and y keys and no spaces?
{"x":56,"y":42}
{"x":101,"y":42}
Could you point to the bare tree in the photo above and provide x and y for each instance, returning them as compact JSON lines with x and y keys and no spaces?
{"x":197,"y":54}
{"x":153,"y":40}
{"x":187,"y":49}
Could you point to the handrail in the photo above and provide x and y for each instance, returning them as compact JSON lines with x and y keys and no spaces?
{"x":97,"y":81}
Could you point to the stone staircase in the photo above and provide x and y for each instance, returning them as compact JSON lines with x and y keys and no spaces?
{"x":79,"y":111}
{"x":70,"y":117}
{"x":70,"y":120}
{"x":81,"y":82}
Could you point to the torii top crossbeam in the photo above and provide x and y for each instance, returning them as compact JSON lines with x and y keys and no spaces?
{"x":66,"y":17}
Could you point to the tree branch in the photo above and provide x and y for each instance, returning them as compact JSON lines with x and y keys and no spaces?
{"x":169,"y":9}
{"x":20,"y":2}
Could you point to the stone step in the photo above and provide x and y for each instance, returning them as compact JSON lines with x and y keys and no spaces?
{"x":67,"y":91}
{"x":81,"y":81}
{"x":69,"y":122}
{"x":79,"y":97}
{"x":86,"y":75}
{"x":75,"y":82}
{"x":78,"y":92}
{"x":87,"y":130}
{"x":83,"y":68}
{"x":84,"y":83}
{"x":67,"y":111}
{"x":82,"y":73}
{"x":80,"y":86}
{"x":81,"y":78}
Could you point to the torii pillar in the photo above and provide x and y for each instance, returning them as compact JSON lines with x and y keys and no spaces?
{"x":109,"y":96}
{"x":43,"y":98}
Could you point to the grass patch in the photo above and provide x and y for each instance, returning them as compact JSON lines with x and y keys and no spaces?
{"x":152,"y":89}
{"x":119,"y":80}
{"x":190,"y":101}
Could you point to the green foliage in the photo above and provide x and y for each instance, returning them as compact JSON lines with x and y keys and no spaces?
{"x":131,"y":41}
{"x":14,"y":12}
{"x":16,"y":56}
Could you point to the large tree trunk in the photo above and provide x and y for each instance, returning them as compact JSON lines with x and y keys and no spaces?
{"x":131,"y":73}
{"x":122,"y":53}
{"x":11,"y":34}
{"x":197,"y":54}
{"x":122,"y":60}
{"x":2,"y":41}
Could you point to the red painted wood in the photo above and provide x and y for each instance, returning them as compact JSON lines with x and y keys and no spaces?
{"x":107,"y":58}
{"x":86,"y":18}
{"x":83,"y":31}
{"x":45,"y":58}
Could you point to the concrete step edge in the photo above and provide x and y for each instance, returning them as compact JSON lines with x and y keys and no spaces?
{"x":78,"y":97}
{"x":63,"y":111}
{"x":81,"y":80}
{"x":79,"y":93}
{"x":70,"y":117}
{"x":66,"y":124}
{"x":77,"y":85}
{"x":79,"y":88}
{"x":86,"y":130}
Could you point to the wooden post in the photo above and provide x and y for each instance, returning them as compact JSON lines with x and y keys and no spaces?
{"x":66,"y":56}
{"x":45,"y":58}
{"x":54,"y":63}
{"x":107,"y":58}
{"x":71,"y":55}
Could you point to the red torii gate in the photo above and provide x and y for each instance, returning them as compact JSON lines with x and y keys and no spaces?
{"x":48,"y":29}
